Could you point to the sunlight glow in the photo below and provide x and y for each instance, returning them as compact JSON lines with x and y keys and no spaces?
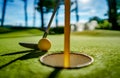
{"x":84,"y":1}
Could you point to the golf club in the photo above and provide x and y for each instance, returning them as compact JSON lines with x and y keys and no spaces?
{"x":35,"y":45}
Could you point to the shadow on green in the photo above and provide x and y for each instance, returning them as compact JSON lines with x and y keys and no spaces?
{"x":30,"y":54}
{"x":55,"y":73}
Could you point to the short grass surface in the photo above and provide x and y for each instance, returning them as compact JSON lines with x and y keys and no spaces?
{"x":19,"y":62}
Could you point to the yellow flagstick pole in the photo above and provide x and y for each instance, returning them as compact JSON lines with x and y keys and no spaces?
{"x":67,"y":35}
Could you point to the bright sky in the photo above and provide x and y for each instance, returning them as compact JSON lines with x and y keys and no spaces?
{"x":87,"y":9}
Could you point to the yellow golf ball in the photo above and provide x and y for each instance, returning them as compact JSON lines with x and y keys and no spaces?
{"x":44,"y":44}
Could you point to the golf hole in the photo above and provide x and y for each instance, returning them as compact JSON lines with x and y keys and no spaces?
{"x":76,"y":60}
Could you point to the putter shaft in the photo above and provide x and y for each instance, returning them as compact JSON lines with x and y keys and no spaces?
{"x":49,"y":24}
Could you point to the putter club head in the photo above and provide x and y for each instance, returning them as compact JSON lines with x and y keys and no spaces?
{"x":29,"y":45}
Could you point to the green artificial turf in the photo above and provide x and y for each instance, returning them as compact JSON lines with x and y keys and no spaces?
{"x":19,"y":62}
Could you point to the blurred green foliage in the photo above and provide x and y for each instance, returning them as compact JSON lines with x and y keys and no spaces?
{"x":4,"y":30}
{"x":57,"y":30}
{"x":105,"y":24}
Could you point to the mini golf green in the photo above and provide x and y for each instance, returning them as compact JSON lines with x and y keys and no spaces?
{"x":20,"y":62}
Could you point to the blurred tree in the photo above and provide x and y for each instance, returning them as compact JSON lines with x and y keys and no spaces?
{"x":25,"y":11}
{"x":75,"y":9}
{"x":118,"y":4}
{"x":45,"y":6}
{"x":99,"y":20}
{"x":57,"y":13}
{"x":40,"y":9}
{"x":119,"y":19}
{"x":34,"y":14}
{"x":112,"y":13}
{"x":3,"y":12}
